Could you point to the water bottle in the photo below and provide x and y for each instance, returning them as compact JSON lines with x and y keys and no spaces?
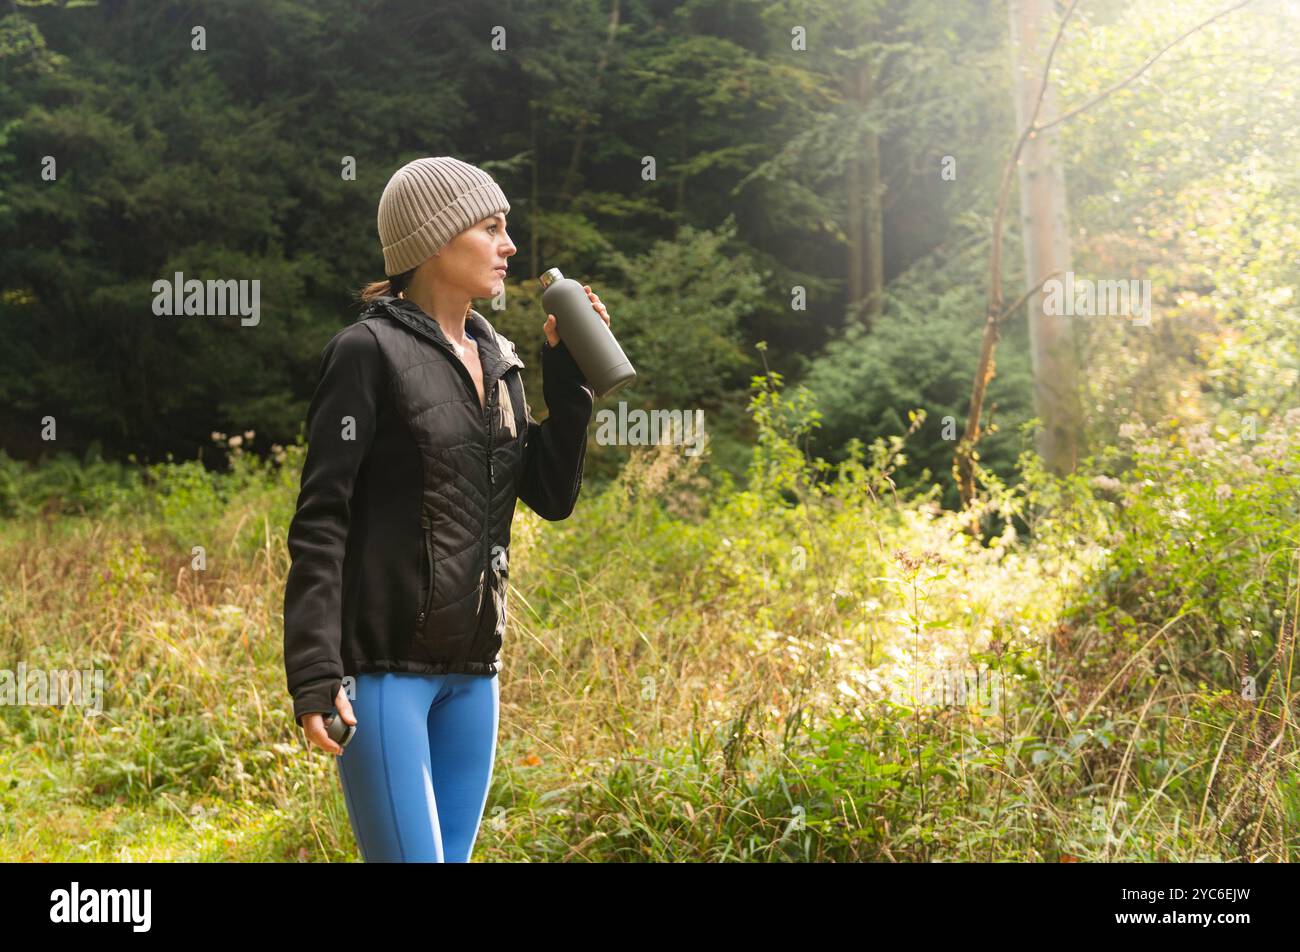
{"x":585,"y":334}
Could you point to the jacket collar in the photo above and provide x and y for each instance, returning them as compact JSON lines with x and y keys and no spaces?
{"x":496,"y":353}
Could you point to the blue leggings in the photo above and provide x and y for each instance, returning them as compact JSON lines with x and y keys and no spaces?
{"x":416,"y":773}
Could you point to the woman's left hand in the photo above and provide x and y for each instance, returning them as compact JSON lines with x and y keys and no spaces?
{"x":553,"y":337}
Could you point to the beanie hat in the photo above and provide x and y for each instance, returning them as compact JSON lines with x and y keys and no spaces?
{"x":427,"y":203}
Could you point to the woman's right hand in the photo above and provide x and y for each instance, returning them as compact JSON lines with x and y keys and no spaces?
{"x":314,"y":724}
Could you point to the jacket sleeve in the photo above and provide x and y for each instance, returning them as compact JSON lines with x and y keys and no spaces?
{"x":555,"y":450}
{"x":351,"y":380}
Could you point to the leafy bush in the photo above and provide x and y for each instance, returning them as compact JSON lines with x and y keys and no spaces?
{"x":1203,"y":532}
{"x":919,"y":356}
{"x":64,"y":485}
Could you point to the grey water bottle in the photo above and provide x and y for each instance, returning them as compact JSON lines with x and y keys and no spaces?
{"x":584,"y":333}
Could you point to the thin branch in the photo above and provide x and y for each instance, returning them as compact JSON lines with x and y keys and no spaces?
{"x":1025,"y":297}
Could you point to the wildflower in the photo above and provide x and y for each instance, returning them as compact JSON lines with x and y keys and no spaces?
{"x":1107,"y":483}
{"x":907,"y":560}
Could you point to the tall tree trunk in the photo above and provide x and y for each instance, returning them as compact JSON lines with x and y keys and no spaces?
{"x":571,"y":174}
{"x":875,"y":212}
{"x":1044,"y":222}
{"x":534,"y":254}
{"x":865,"y":221}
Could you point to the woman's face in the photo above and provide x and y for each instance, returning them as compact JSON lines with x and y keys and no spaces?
{"x":474,"y":261}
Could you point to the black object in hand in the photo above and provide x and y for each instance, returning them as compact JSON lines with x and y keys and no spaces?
{"x":338,"y":730}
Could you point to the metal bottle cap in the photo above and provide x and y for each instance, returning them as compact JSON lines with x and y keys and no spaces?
{"x":550,"y":276}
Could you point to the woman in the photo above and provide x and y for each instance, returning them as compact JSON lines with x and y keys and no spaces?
{"x":420,"y":439}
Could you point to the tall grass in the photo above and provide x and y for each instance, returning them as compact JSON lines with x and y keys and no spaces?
{"x":696,"y":670}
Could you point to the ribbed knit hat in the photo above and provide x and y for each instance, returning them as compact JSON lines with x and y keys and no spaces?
{"x":427,"y":203}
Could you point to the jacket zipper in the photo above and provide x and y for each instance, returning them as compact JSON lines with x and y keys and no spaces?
{"x":428,"y":561}
{"x":487,"y":510}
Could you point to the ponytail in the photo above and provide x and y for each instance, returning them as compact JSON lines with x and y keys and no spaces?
{"x":391,"y":286}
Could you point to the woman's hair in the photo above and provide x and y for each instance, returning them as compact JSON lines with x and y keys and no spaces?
{"x":389,"y":286}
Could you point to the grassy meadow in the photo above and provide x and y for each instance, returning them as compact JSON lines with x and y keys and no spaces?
{"x":701,"y":668}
